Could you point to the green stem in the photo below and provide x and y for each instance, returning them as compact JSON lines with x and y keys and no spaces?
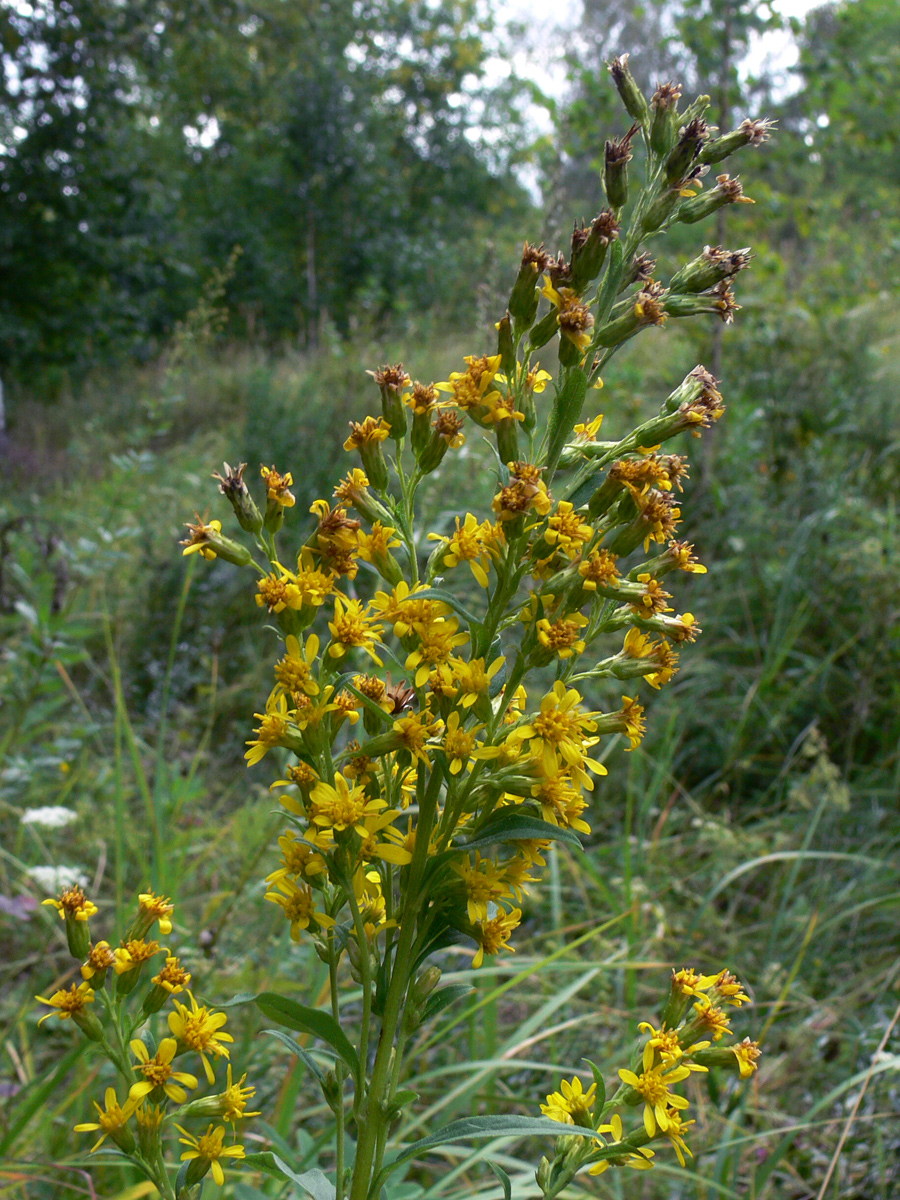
{"x":374,"y":1115}
{"x":338,"y":1070}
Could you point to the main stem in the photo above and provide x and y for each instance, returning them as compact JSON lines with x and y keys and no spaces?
{"x":374,"y":1114}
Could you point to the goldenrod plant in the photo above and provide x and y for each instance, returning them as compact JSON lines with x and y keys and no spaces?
{"x":430,"y":698}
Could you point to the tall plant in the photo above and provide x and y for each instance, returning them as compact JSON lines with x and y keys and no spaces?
{"x":421,"y":800}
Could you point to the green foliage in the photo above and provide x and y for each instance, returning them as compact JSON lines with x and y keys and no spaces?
{"x":143,"y":145}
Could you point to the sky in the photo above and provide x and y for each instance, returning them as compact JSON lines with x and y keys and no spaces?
{"x":545,"y":17}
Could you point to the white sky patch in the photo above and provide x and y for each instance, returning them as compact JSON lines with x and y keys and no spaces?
{"x":203,"y":135}
{"x":49,"y":816}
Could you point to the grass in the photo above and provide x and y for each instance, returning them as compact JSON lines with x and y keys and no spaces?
{"x":757,"y":825}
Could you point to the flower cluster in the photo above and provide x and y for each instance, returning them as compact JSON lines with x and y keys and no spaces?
{"x":150,"y":1068}
{"x":435,"y":708}
{"x":695,"y":1017}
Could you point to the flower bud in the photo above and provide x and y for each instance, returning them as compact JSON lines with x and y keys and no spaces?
{"x":88,"y":1023}
{"x":544,"y":330}
{"x":505,"y":346}
{"x":524,"y":297}
{"x":234,"y":489}
{"x":391,"y":381}
{"x":726,"y":191}
{"x":664,"y":125}
{"x":589,"y":248}
{"x":690,"y":141}
{"x":750,"y":133}
{"x":709,"y":268}
{"x":615,"y":169}
{"x":631,"y":94}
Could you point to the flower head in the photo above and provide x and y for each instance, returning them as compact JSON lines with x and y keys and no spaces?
{"x":207,"y":1151}
{"x":199,"y":1029}
{"x":112,"y":1120}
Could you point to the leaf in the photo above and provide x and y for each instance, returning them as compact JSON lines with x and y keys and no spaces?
{"x":309,"y":1020}
{"x":566,"y":411}
{"x":609,"y":288}
{"x":487,"y":1127}
{"x":267,"y":1162}
{"x":443,"y":998}
{"x":505,"y":1181}
{"x":512,"y":827}
{"x":302,"y":1053}
{"x":601,"y":1085}
{"x":315,"y":1182}
{"x":239,"y":997}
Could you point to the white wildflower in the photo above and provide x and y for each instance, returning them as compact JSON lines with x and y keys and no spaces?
{"x":56,"y":879}
{"x":50,"y":816}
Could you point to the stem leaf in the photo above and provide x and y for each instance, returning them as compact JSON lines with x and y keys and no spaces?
{"x":511,"y":827}
{"x":320,"y":1024}
{"x":302,"y":1053}
{"x":315,"y":1182}
{"x":438,"y":1001}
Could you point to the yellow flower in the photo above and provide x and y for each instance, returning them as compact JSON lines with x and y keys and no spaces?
{"x":133,"y":954}
{"x":352,"y":626}
{"x":459,"y":744}
{"x":155,"y":908}
{"x":201,"y":533}
{"x":747,"y":1053}
{"x":557,"y":734}
{"x":536,"y":380}
{"x":561,"y":636}
{"x":436,"y":645}
{"x":493,"y":936}
{"x":272,"y":731}
{"x":158,"y":1072}
{"x":484,"y":884}
{"x":209,"y":1149}
{"x":112,"y":1120}
{"x":639,"y":1159}
{"x":299,"y":905}
{"x":99,"y":960}
{"x":571,"y":1104}
{"x":369,"y":431}
{"x":474,"y":678}
{"x":68,"y":1002}
{"x":598,"y":570}
{"x":173,"y":977}
{"x":200,"y":1030}
{"x":414,"y":731}
{"x":341,"y":807}
{"x":566,"y":530}
{"x":294,"y":671}
{"x":277,"y":487}
{"x":468,"y":544}
{"x":74,"y":904}
{"x":235,"y":1099}
{"x":653,"y":1087}
{"x":675,"y":1133}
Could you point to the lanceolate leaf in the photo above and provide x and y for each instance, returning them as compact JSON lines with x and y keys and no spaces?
{"x":487,"y":1127}
{"x":438,"y":1001}
{"x":309,"y":1020}
{"x":315,"y":1182}
{"x":510,"y":827}
{"x":302,"y":1053}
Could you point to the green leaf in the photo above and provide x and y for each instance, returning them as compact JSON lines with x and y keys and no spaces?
{"x":309,"y":1020}
{"x":315,"y":1182}
{"x":511,"y":827}
{"x":267,"y":1162}
{"x":505,"y":1181}
{"x":566,"y":411}
{"x":601,"y":1085}
{"x":443,"y":998}
{"x":609,"y":288}
{"x":302,"y":1053}
{"x":486,"y":1127}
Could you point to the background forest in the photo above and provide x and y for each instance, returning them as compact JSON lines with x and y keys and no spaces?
{"x":215,"y":219}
